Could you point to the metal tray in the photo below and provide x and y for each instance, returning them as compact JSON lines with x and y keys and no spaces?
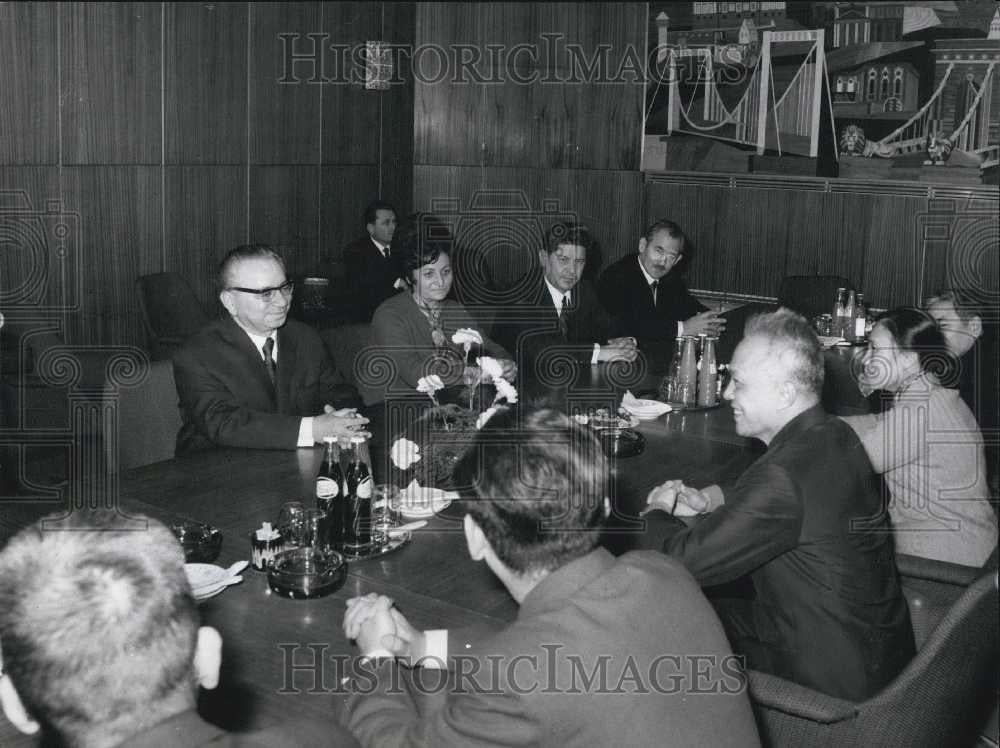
{"x":393,"y":545}
{"x":674,"y":406}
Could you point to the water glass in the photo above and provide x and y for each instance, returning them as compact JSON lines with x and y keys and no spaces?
{"x":385,"y":513}
{"x":291,"y":523}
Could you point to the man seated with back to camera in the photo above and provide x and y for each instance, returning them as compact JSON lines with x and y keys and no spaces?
{"x":555,"y":313}
{"x":805,"y":522}
{"x":100,"y":643}
{"x":604,"y":650}
{"x":256,"y":378}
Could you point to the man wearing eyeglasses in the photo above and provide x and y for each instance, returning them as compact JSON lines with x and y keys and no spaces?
{"x":256,"y":378}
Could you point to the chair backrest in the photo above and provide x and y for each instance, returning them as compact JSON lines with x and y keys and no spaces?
{"x":810,"y":295}
{"x":947,"y":692}
{"x":344,"y":343}
{"x":148,"y":419}
{"x":170,"y":311}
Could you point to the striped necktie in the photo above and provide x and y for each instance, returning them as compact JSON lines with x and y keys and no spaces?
{"x":269,"y":359}
{"x":563,"y":311}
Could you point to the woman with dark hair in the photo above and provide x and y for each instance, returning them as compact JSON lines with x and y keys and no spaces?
{"x":927,"y":445}
{"x":415,"y":328}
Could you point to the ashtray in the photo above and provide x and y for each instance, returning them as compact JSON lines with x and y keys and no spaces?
{"x":622,"y":442}
{"x":304,"y":573}
{"x":201,"y":543}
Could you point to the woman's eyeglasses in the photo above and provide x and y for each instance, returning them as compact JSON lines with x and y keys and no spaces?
{"x":267,"y":295}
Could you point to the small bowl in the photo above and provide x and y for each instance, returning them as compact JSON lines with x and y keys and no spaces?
{"x":201,"y":543}
{"x":304,"y":573}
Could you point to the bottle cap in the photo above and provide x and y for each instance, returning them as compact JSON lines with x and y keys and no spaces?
{"x":358,"y":440}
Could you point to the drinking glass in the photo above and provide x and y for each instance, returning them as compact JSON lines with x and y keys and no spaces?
{"x":315,"y":529}
{"x":291,"y":523}
{"x":385,"y":513}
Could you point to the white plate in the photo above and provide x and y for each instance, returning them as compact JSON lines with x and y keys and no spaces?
{"x":423,"y":503}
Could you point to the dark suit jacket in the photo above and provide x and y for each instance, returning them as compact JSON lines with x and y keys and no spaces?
{"x":978,"y":383}
{"x":528,"y":326}
{"x":627,"y":298}
{"x":558,"y":675}
{"x":188,"y":730}
{"x":807,"y":523}
{"x":227,"y":399}
{"x":370,"y":277}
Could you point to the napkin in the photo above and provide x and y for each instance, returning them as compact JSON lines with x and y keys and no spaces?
{"x":423,"y":501}
{"x":645,"y":409}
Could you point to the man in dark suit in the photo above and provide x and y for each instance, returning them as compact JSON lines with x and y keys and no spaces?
{"x":648,"y":300}
{"x":603,"y":650}
{"x":373,"y":269}
{"x":256,"y":378}
{"x":552,"y":313}
{"x":805,"y":522}
{"x":101,"y":644}
{"x":969,"y":327}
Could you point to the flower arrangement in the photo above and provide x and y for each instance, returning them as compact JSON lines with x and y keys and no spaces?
{"x":443,"y":434}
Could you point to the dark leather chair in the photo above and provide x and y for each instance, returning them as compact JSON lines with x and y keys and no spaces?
{"x":345,"y":344}
{"x":148,"y":419}
{"x":943,"y":697}
{"x":810,"y":295}
{"x":170,"y":312}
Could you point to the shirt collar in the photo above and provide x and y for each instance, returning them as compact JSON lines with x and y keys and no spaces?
{"x":557,"y":295}
{"x":259,"y":340}
{"x":566,"y":580}
{"x":383,"y":248}
{"x":649,"y":278}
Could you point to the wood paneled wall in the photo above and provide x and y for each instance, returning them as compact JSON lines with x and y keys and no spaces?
{"x":141,"y":137}
{"x":896,"y":241}
{"x":528,"y":134}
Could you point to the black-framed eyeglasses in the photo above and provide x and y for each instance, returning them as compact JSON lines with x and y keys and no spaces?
{"x":267,"y":295}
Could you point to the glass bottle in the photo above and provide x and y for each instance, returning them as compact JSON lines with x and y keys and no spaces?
{"x":847,"y":327}
{"x":358,"y":505}
{"x":688,"y":378}
{"x":838,"y":311}
{"x":708,"y":374}
{"x":860,"y":317}
{"x":668,"y":389}
{"x":329,"y":484}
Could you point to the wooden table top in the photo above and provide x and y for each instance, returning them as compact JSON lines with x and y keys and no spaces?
{"x":432,"y":579}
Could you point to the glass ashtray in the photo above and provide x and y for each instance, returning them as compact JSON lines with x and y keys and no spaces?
{"x":304,"y":573}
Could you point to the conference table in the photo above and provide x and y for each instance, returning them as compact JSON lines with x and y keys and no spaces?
{"x":271,"y":642}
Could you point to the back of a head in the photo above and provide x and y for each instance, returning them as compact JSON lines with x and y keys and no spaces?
{"x":240,"y":254}
{"x":794,"y":345}
{"x":535,"y":483}
{"x":97,"y":627}
{"x":915,"y":331}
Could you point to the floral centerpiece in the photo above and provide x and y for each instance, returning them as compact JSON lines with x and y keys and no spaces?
{"x":430,"y":448}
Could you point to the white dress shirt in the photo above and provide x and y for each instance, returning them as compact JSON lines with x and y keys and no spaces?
{"x":559,"y":298}
{"x":306,"y":424}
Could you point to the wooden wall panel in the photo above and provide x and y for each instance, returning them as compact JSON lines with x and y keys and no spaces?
{"x":284,"y":117}
{"x":284,"y":212}
{"x":346,"y":191}
{"x":33,"y":226}
{"x":120,"y":228}
{"x":205,"y":216}
{"x":896,"y":241}
{"x":350,"y":111}
{"x":205,"y":83}
{"x":110,"y":88}
{"x":396,"y":114}
{"x":28,"y":62}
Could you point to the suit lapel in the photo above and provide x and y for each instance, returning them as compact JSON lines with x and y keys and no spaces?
{"x":287,"y":354}
{"x":251,"y":360}
{"x":643,"y":291}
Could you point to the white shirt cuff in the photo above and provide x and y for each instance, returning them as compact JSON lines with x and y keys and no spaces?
{"x":596,"y":354}
{"x":306,"y":433}
{"x":680,"y":329}
{"x":435,"y":655}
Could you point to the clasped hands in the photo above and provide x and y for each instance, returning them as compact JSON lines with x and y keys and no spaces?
{"x":618,"y":349}
{"x":708,"y":323}
{"x":343,"y":423}
{"x":673,"y":497}
{"x":376,"y":625}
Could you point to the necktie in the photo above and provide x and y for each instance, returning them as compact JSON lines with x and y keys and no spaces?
{"x":563,"y":311}
{"x":269,"y":359}
{"x":653,"y":287}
